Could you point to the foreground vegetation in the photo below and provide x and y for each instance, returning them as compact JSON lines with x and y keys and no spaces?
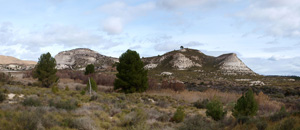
{"x":34,"y":107}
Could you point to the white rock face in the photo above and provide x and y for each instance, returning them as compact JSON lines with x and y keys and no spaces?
{"x":150,"y":66}
{"x":257,"y":83}
{"x":79,"y":58}
{"x":231,"y":65}
{"x":181,"y":62}
{"x":166,"y":73}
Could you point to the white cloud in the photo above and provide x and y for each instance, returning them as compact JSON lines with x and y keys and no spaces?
{"x":113,"y":25}
{"x":190,"y":4}
{"x":120,"y":13}
{"x":274,"y":17}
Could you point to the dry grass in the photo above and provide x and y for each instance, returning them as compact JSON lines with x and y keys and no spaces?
{"x":266,"y":105}
{"x":193,"y":96}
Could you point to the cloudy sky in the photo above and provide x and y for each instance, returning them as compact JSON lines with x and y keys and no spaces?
{"x":264,"y":33}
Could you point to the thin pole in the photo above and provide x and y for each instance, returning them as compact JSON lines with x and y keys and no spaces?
{"x":90,"y":86}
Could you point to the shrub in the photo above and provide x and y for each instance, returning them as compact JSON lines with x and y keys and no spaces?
{"x":201,"y":104}
{"x":261,"y":125}
{"x":178,"y":115}
{"x":287,"y":124}
{"x":32,"y":101}
{"x":134,"y":118}
{"x":197,"y":122}
{"x":246,"y":105}
{"x":28,"y":120}
{"x":215,"y":109}
{"x":45,"y":70}
{"x":67,"y":88}
{"x":54,"y":89}
{"x":67,"y":104}
{"x":131,"y":76}
{"x":173,"y":84}
{"x":4,"y":77}
{"x":279,"y":115}
{"x":2,"y":96}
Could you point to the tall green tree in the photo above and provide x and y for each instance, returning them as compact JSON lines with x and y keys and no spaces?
{"x":246,"y":105}
{"x":131,"y":76}
{"x":45,"y":70}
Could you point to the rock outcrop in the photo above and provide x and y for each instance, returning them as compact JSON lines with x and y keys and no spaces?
{"x":78,"y":59}
{"x":8,"y":63}
{"x":228,"y":64}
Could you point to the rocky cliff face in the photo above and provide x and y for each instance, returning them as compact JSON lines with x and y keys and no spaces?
{"x":78,"y":59}
{"x":8,"y":63}
{"x":184,"y":59}
{"x":230,"y":64}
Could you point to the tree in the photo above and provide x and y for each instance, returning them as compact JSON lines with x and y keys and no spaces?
{"x":215,"y":109}
{"x":45,"y":70}
{"x":90,"y":69}
{"x":131,"y":76}
{"x":246,"y":105}
{"x":181,"y":47}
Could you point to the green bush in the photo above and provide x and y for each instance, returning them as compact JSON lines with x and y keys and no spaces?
{"x":89,"y":69}
{"x":201,"y":104}
{"x":54,"y":89}
{"x":32,"y":101}
{"x":134,"y":118}
{"x":215,"y":109}
{"x":178,"y":115}
{"x":131,"y":76}
{"x":2,"y":96}
{"x":67,"y":88}
{"x":246,"y":105}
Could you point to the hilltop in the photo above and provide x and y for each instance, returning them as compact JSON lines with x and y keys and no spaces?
{"x":8,"y":63}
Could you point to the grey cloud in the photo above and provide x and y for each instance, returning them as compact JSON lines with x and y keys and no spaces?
{"x":278,"y":49}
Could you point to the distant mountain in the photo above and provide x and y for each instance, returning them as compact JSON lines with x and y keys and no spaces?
{"x":191,"y":59}
{"x":78,"y":59}
{"x":9,"y":63}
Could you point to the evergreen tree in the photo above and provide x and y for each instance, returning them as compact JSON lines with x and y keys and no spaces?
{"x":131,"y":76}
{"x":89,"y":69}
{"x":45,"y":70}
{"x":246,"y":105}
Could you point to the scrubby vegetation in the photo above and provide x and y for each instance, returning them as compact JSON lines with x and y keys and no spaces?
{"x":215,"y":109}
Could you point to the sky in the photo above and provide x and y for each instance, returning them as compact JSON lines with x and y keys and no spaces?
{"x":265,"y":34}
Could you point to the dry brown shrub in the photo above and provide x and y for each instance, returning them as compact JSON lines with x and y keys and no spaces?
{"x":266,"y":105}
{"x":193,"y":96}
{"x":153,"y":84}
{"x":173,"y":84}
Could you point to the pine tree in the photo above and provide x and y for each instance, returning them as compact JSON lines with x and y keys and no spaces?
{"x":45,"y":70}
{"x":131,"y":76}
{"x":246,"y":105}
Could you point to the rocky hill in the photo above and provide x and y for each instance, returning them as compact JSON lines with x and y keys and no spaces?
{"x":78,"y":59}
{"x":190,"y":59}
{"x":8,"y":63}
